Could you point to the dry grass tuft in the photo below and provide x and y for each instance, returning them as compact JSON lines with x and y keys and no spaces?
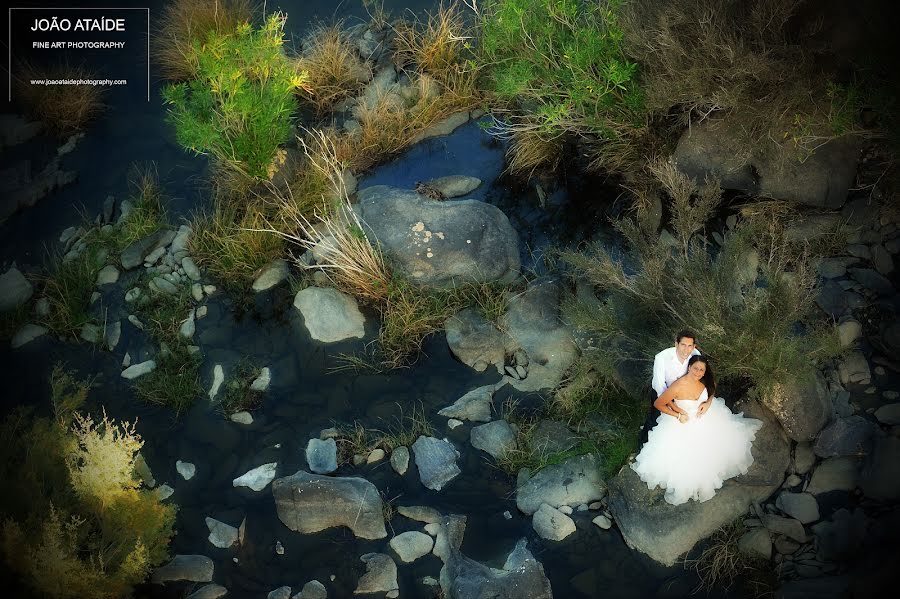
{"x":184,"y":21}
{"x":439,"y":45}
{"x":335,"y":70}
{"x":63,"y":109}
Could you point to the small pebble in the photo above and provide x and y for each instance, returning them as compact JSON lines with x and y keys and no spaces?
{"x":603,"y":522}
{"x":375,"y":455}
{"x":507,"y":515}
{"x":279,"y":548}
{"x":566,"y":509}
{"x":453,"y":423}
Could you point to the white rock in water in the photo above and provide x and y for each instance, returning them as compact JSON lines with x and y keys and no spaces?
{"x":27,"y":334}
{"x":163,"y":492}
{"x":313,"y":590}
{"x":209,"y":591}
{"x":258,"y":478}
{"x":376,"y":455}
{"x":453,"y":423}
{"x":188,"y":327}
{"x":411,"y":545}
{"x":218,"y":379}
{"x":200,"y":312}
{"x":602,"y":521}
{"x":136,"y":370}
{"x":550,"y":523}
{"x":221,"y":535}
{"x":209,"y":289}
{"x":197,"y":292}
{"x":242,"y":417}
{"x":261,"y":383}
{"x":400,"y":460}
{"x":330,"y":315}
{"x":271,"y":275}
{"x":187,"y":470}
{"x":280,"y":593}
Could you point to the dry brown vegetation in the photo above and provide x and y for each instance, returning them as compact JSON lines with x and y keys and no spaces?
{"x":333,"y":65}
{"x":184,"y":21}
{"x":63,"y":109}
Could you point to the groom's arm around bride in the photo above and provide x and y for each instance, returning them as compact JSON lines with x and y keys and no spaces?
{"x":668,"y":366}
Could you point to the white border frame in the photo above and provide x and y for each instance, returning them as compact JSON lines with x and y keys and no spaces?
{"x":9,"y":38}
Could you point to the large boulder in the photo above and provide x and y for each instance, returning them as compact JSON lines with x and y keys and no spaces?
{"x":522,"y":577}
{"x":572,"y":482}
{"x":665,"y":532}
{"x":534,"y":324}
{"x":718,"y":149}
{"x":441,"y":243}
{"x":330,"y":315}
{"x":846,"y":436}
{"x":802,"y":406}
{"x":309,"y":503}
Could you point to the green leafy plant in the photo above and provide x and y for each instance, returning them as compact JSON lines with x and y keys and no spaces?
{"x":238,"y":107}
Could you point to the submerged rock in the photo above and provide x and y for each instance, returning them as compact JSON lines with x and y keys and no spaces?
{"x":436,"y":461}
{"x":572,"y":482}
{"x":15,"y":289}
{"x":218,"y":379}
{"x":209,"y":591}
{"x":522,"y":577}
{"x":330,"y":315}
{"x":454,"y":186}
{"x":187,"y":470}
{"x":280,"y":593}
{"x":271,"y":275}
{"x":136,"y":370}
{"x":443,"y":127}
{"x":309,"y":503}
{"x":846,"y":436}
{"x":312,"y":590}
{"x":476,"y":342}
{"x":193,"y":568}
{"x":321,"y":455}
{"x":27,"y":334}
{"x":258,"y":478}
{"x":133,"y":256}
{"x":221,"y":535}
{"x":834,"y":474}
{"x":441,"y":243}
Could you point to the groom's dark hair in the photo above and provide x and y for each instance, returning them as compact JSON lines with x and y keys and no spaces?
{"x":685,"y":333}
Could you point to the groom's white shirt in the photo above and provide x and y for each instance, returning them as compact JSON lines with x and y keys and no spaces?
{"x":667,"y":369}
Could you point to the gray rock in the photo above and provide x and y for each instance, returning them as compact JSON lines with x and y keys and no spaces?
{"x":91,"y":333}
{"x":221,"y":535}
{"x":474,"y":405}
{"x":330,"y":315}
{"x":834,"y":474}
{"x":27,"y":334}
{"x":882,"y":259}
{"x":197,"y":292}
{"x":163,"y":492}
{"x":187,"y":470}
{"x":154,"y":256}
{"x":804,"y":458}
{"x":380,"y":576}
{"x":551,"y":524}
{"x":209,"y":591}
{"x":801,"y":406}
{"x":880,"y":477}
{"x":833,"y":268}
{"x":133,"y":295}
{"x":410,"y":546}
{"x":496,"y":438}
{"x":142,"y":470}
{"x":441,"y":243}
{"x":261,"y":383}
{"x":190,"y":269}
{"x":455,"y":186}
{"x":854,"y":368}
{"x":756,"y":543}
{"x":321,"y":456}
{"x":716,"y":149}
{"x":188,"y":326}
{"x":888,"y":414}
{"x":832,"y":299}
{"x":572,"y":482}
{"x":133,"y":256}
{"x":136,"y":370}
{"x":193,"y":568}
{"x":15,"y":290}
{"x":218,"y":379}
{"x":789,"y":527}
{"x":443,"y":127}
{"x":108,"y":275}
{"x":257,"y":478}
{"x":436,"y":461}
{"x":549,"y":437}
{"x":802,"y":506}
{"x":280,"y":593}
{"x":602,"y":521}
{"x":163,"y":285}
{"x":420,"y":513}
{"x":533,"y":322}
{"x":522,"y":577}
{"x":181,"y":240}
{"x":400,"y":460}
{"x":857,"y":250}
{"x":242,"y":417}
{"x":476,"y":342}
{"x":842,"y":536}
{"x":849,"y":332}
{"x":113,"y":334}
{"x":845,"y":437}
{"x":872,"y":280}
{"x":376,"y":455}
{"x":664,"y":532}
{"x":312,"y":590}
{"x":271,"y":275}
{"x":309,"y":503}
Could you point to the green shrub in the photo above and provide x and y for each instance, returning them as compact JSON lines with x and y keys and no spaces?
{"x":561,"y":65}
{"x":238,"y":107}
{"x":75,"y":524}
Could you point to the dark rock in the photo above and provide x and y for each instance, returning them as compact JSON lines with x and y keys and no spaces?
{"x":841,"y":536}
{"x":522,"y":577}
{"x":846,"y":436}
{"x":834,"y":474}
{"x":133,"y":255}
{"x":475,"y":341}
{"x":872,"y":280}
{"x":572,"y":482}
{"x":832,"y":299}
{"x":380,"y":576}
{"x":801,"y":406}
{"x":880,"y":477}
{"x":549,"y":437}
{"x":496,"y":438}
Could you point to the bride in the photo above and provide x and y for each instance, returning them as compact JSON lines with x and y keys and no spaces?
{"x":698,"y":443}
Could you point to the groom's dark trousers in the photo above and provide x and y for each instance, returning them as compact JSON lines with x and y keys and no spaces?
{"x":652,"y":415}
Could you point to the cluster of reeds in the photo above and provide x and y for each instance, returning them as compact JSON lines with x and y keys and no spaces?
{"x":63,"y":109}
{"x":334,"y":68}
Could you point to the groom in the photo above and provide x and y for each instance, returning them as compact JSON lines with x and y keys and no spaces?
{"x":668,"y":366}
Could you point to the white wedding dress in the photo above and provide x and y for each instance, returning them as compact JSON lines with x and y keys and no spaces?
{"x":692,"y":460}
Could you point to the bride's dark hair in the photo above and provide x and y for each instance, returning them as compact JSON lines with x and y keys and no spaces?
{"x":708,"y":380}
